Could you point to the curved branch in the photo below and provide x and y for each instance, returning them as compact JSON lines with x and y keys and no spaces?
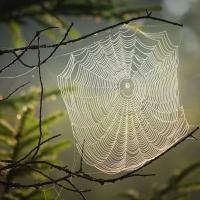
{"x":148,"y":16}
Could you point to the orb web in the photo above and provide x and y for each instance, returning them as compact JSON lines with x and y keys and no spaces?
{"x":122,"y":97}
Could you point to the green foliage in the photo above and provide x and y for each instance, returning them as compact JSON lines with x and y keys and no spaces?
{"x":178,"y":187}
{"x":24,"y":99}
{"x":54,"y":12}
{"x":130,"y":195}
{"x":17,"y":37}
{"x":20,"y":134}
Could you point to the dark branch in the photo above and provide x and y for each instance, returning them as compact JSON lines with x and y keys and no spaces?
{"x":24,"y":50}
{"x":172,"y":147}
{"x":193,"y":137}
{"x":41,"y":97}
{"x":70,"y":174}
{"x":81,"y":160}
{"x":148,"y":16}
{"x":103,"y":181}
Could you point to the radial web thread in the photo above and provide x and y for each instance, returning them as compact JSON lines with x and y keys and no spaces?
{"x":122,"y":97}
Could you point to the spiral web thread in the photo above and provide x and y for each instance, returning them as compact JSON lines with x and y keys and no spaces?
{"x":122,"y":97}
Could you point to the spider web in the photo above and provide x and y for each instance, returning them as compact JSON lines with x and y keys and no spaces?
{"x":122,"y":97}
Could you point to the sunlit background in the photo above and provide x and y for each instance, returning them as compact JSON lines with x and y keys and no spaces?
{"x":182,"y":11}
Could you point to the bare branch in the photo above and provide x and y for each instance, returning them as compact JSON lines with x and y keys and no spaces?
{"x":24,"y":50}
{"x":41,"y":98}
{"x":103,"y":181}
{"x":57,"y":182}
{"x":172,"y":147}
{"x":22,"y":62}
{"x":147,"y":16}
{"x":70,"y":174}
{"x":193,"y":137}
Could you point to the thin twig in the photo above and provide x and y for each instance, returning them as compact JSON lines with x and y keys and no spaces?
{"x":54,"y":181}
{"x":33,"y":185}
{"x":76,"y":189}
{"x":193,"y":137}
{"x":22,"y":62}
{"x":42,"y":143}
{"x":14,"y":91}
{"x":81,"y":160}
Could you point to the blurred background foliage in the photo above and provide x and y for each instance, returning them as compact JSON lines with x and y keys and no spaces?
{"x":16,"y":16}
{"x":179,"y":186}
{"x":19,"y":135}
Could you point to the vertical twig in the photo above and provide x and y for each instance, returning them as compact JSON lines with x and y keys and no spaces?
{"x":41,"y":82}
{"x":81,"y":160}
{"x":41,"y":96}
